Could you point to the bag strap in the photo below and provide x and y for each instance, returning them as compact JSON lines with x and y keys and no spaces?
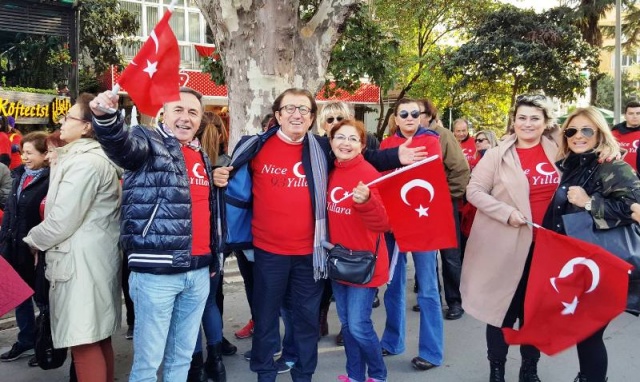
{"x":590,"y":175}
{"x":375,"y":254}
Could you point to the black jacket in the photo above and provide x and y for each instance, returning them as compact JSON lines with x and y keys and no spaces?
{"x":156,"y":227}
{"x":20,"y":215}
{"x":613,"y":187}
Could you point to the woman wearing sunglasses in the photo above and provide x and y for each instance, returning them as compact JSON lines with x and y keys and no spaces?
{"x":484,"y":140}
{"x":605,"y":189}
{"x":431,"y":341}
{"x":511,"y":185}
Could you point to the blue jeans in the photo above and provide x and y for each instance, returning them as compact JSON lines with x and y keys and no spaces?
{"x":26,"y":320}
{"x":211,"y":318}
{"x":168,"y":311}
{"x":361,"y":343}
{"x":276,"y":278}
{"x":431,"y":337}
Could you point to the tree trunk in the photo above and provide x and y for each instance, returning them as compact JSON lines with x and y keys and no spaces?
{"x":266,"y":49}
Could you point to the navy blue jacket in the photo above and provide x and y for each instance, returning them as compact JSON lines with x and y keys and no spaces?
{"x":156,"y":230}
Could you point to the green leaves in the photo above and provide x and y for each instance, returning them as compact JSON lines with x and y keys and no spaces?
{"x":526,"y":50}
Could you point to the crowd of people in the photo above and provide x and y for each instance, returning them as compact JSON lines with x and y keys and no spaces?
{"x":95,"y":209}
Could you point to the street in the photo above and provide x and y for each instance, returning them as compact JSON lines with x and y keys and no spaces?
{"x":465,"y":357}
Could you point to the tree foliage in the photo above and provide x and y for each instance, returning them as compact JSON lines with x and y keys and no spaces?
{"x":364,"y":49}
{"x":422,"y":27}
{"x":104,"y":24}
{"x":527,"y":51}
{"x":606,"y":91}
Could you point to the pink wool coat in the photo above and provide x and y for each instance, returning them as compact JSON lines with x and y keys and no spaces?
{"x":496,"y":252}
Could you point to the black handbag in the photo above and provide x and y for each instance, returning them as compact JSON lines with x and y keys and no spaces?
{"x":48,"y":357}
{"x":622,"y":241}
{"x":354,"y":267}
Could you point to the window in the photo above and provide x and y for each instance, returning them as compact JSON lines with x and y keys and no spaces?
{"x":194,"y":27}
{"x":135,"y":8}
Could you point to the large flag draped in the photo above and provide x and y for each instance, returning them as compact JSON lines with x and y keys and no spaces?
{"x":574,"y":289}
{"x":153,"y":78}
{"x":13,"y":290}
{"x":419,"y":207}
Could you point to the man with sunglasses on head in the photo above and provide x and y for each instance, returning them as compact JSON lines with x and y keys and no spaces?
{"x":467,"y":144}
{"x":457,"y":170}
{"x":276,"y":202}
{"x":628,"y":133}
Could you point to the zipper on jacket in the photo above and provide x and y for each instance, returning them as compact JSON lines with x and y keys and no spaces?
{"x":153,"y":215}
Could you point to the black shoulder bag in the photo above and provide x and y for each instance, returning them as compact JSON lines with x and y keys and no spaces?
{"x":354,"y":267}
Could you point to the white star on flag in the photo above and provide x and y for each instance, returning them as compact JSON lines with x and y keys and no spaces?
{"x":570,"y":308}
{"x":422,"y":211}
{"x":151,"y":68}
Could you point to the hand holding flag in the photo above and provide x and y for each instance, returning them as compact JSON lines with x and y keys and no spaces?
{"x":152,"y":78}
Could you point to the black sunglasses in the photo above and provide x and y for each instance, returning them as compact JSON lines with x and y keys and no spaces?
{"x":331,"y":119}
{"x":478,"y":140}
{"x":586,"y":132}
{"x":404,"y":114}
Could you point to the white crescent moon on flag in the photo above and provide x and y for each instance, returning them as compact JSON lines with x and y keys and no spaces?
{"x":636,"y":144}
{"x":567,"y":270}
{"x":416,"y":183}
{"x":333,"y":194}
{"x":296,"y":170}
{"x":155,"y":40}
{"x":542,"y":171}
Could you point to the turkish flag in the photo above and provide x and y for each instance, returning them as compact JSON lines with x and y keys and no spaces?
{"x":153,"y":78}
{"x":13,"y":290}
{"x":418,"y":204}
{"x":574,"y":289}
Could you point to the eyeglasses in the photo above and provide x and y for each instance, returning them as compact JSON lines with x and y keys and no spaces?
{"x":586,"y":132}
{"x":342,"y":138}
{"x":64,"y":118}
{"x":290,"y":109}
{"x":530,"y":98}
{"x":404,"y":114}
{"x":331,"y":119}
{"x":479,"y":140}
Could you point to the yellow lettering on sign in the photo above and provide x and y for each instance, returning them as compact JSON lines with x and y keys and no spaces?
{"x":58,"y":108}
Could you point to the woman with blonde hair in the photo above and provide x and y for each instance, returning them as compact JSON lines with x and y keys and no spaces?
{"x":332,"y":113}
{"x":484,"y":140}
{"x":214,"y":138}
{"x":606,"y":190}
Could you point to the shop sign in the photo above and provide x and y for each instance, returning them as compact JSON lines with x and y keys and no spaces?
{"x":32,"y":108}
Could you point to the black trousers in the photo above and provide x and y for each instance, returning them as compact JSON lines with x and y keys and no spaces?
{"x":497,"y":348}
{"x":246,"y":271}
{"x":592,"y":356}
{"x":452,"y":264}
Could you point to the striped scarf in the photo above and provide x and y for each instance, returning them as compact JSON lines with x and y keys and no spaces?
{"x":319,"y":170}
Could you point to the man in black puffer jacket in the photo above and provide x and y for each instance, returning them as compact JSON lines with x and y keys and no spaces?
{"x":165,"y":230}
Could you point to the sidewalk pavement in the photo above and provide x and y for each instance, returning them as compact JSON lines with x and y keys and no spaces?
{"x":465,"y":351}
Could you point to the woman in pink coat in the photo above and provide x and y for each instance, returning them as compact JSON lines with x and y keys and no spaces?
{"x":512,"y":185}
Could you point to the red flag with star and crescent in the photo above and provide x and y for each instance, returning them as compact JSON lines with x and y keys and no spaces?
{"x":418,"y":204}
{"x":574,"y":289}
{"x":153,"y":78}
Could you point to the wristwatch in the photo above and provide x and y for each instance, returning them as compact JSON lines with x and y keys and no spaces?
{"x":587,"y":206}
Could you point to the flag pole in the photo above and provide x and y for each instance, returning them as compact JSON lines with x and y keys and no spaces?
{"x":116,"y":87}
{"x":393,"y":173}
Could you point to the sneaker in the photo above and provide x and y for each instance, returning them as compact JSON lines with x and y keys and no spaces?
{"x":246,"y":331}
{"x":284,"y":366}
{"x":17,"y":351}
{"x":129,"y":334}
{"x":33,"y":361}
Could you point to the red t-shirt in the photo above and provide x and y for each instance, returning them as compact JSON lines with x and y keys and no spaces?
{"x":346,"y":222}
{"x":543,"y":180}
{"x":629,"y":142}
{"x":200,"y":209}
{"x":468,"y":147}
{"x":283,"y":220}
{"x":5,"y":144}
{"x":16,"y":158}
